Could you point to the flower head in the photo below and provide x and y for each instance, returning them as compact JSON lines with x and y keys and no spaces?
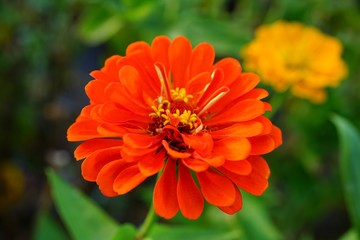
{"x":167,"y":107}
{"x":289,"y":55}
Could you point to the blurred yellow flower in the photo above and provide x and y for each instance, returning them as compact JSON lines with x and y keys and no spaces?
{"x":290,"y":55}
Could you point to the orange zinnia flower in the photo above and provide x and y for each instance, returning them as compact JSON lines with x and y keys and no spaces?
{"x":168,"y":107}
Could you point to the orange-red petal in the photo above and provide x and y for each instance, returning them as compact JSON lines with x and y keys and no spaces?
{"x":195,"y":164}
{"x":233,"y":148}
{"x":236,"y":206}
{"x":173,"y":153}
{"x":241,"y":111}
{"x":92,"y":165}
{"x":128,"y":179}
{"x":90,"y":146}
{"x":165,"y":192}
{"x":202,"y":59}
{"x":257,"y":181}
{"x":190,"y":200}
{"x":152,"y":163}
{"x":179,"y":58}
{"x":107,"y":176}
{"x":242,"y":167}
{"x":217,"y":189}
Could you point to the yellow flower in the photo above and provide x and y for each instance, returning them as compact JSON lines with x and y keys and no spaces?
{"x":290,"y":55}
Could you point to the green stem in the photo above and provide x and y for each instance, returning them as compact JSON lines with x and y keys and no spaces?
{"x":149,"y":221}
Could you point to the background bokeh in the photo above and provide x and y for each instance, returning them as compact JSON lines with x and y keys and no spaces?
{"x":48,"y":48}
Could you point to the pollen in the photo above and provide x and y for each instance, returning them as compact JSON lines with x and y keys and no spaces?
{"x":176,"y":112}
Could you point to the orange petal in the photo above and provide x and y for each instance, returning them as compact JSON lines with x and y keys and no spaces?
{"x":160,"y":51}
{"x":241,"y":129}
{"x":217,"y":189}
{"x":140,"y":144}
{"x":114,"y":113}
{"x":111,"y":66}
{"x":191,"y":202}
{"x":261,"y":144}
{"x":198,"y":83}
{"x":133,"y":103}
{"x":241,"y":111}
{"x":242,"y":167}
{"x":165,"y":196}
{"x":173,"y":153}
{"x":139,"y":46}
{"x":83,"y":130}
{"x":237,"y":205}
{"x":90,"y":146}
{"x":107,"y":176}
{"x":95,"y":91}
{"x":179,"y":56}
{"x":233,"y":148}
{"x":231,"y":69}
{"x":276,"y":135}
{"x":202,"y":59}
{"x":257,"y":181}
{"x":92,"y":165}
{"x":128,"y":179}
{"x":213,"y":160}
{"x":202,"y":142}
{"x":195,"y":164}
{"x":152,"y":163}
{"x":244,"y":83}
{"x":256,"y":93}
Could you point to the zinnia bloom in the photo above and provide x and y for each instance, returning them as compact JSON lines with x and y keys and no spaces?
{"x":168,"y":108}
{"x":289,"y":55}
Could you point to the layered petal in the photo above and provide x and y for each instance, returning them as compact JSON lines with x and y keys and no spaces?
{"x":190,"y":199}
{"x":165,"y":192}
{"x":217,"y":189}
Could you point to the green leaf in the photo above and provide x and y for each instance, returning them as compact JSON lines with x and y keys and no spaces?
{"x":125,"y":232}
{"x":255,"y":221}
{"x":350,"y":166}
{"x":82,"y":217}
{"x":164,"y":232}
{"x":349,"y":235}
{"x":47,"y":228}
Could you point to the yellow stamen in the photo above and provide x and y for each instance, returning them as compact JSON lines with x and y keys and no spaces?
{"x":179,"y":94}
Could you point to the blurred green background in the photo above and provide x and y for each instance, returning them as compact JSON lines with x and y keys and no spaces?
{"x":48,"y":49}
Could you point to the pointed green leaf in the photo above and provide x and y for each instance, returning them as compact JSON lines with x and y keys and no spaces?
{"x":125,"y":232}
{"x":82,"y":217}
{"x":350,"y":166}
{"x":255,"y":221}
{"x":165,"y":232}
{"x":47,"y":228}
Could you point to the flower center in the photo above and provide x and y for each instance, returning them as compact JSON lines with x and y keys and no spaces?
{"x":177,"y":112}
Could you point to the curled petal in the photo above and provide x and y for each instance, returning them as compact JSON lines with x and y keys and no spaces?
{"x":173,"y":153}
{"x":190,"y":200}
{"x":128,"y":179}
{"x":90,"y":146}
{"x":217,"y":189}
{"x":92,"y":165}
{"x":107,"y":176}
{"x":165,"y":192}
{"x":202,"y":143}
{"x":257,"y":181}
{"x":236,"y":206}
